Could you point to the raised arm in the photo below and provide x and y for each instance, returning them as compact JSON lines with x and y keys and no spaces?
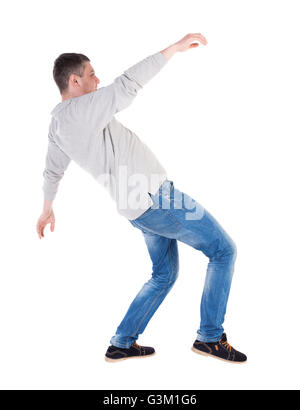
{"x":100,"y":106}
{"x":187,"y":42}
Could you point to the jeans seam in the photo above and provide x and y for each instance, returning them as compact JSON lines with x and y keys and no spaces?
{"x":170,"y":260}
{"x":173,"y":270}
{"x":172,"y":274}
{"x":139,"y":325}
{"x":179,"y":225}
{"x":219,"y":307}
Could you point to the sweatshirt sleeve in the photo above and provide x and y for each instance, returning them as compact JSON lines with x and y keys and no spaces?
{"x":105,"y":102}
{"x":56,"y":164}
{"x":126,"y":86}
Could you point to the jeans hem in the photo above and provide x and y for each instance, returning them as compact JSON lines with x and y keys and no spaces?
{"x":209,"y":339}
{"x":117,"y":344}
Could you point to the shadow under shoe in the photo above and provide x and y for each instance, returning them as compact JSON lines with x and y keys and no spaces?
{"x":219,"y":350}
{"x":116,"y":354}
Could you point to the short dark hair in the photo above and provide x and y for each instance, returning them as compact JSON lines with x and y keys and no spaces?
{"x":65,"y":65}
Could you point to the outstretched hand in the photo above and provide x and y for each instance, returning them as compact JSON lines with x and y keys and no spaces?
{"x":43,"y":221}
{"x":189,"y":40}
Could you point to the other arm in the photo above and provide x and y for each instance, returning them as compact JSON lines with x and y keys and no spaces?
{"x":56,"y":164}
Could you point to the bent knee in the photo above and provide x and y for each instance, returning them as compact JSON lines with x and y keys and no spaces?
{"x":174,"y":275}
{"x":167,"y":278}
{"x":230,"y":249}
{"x":226,"y":249}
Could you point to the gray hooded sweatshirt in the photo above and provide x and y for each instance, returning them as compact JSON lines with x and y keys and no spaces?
{"x":85,"y":130}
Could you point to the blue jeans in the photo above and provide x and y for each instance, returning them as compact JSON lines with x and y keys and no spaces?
{"x":176,"y":216}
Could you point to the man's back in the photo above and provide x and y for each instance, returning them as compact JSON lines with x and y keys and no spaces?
{"x":85,"y":130}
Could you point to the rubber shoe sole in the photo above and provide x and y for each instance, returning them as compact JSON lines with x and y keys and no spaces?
{"x":108,"y":359}
{"x":215,"y":357}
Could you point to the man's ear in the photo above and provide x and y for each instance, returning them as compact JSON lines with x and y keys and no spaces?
{"x":73,"y":80}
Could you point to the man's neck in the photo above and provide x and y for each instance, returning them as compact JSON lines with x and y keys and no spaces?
{"x":65,"y":97}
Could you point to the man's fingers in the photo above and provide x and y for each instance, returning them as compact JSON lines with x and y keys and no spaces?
{"x":38,"y":229}
{"x":201,"y":37}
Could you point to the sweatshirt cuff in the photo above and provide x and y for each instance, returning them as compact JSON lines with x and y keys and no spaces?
{"x":49,"y":196}
{"x":160,"y":58}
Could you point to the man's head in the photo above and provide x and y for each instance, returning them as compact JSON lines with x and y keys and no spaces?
{"x":74,"y":75}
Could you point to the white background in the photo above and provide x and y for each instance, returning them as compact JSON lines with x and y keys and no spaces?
{"x":224,"y":121}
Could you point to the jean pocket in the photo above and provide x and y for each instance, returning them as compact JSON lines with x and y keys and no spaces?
{"x":148,"y":212}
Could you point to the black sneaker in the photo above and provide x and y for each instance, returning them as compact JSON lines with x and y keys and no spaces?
{"x":115,"y":354}
{"x":220,"y":350}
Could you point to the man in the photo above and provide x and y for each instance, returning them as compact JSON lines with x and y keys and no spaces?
{"x":83,"y":128}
